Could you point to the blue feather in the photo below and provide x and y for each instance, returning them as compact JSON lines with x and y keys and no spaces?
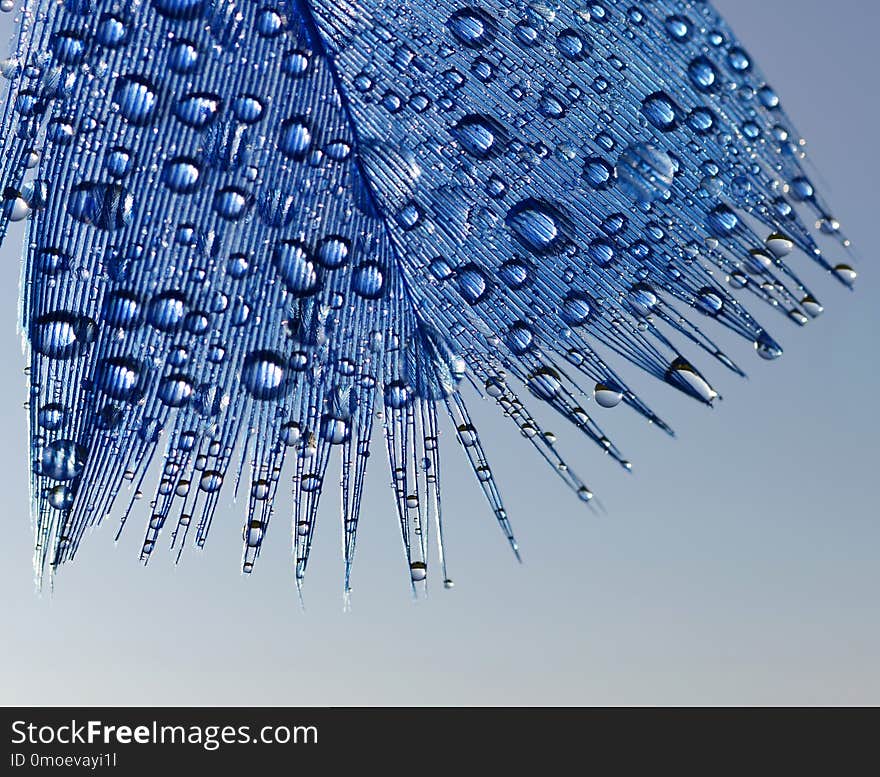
{"x":251,"y":226}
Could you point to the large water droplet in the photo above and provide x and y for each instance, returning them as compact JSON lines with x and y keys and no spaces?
{"x":607,"y":394}
{"x":62,"y":460}
{"x":181,"y":175}
{"x":767,"y":347}
{"x":62,"y":334}
{"x":538,"y":225}
{"x":479,"y":135}
{"x":264,"y":374}
{"x":198,"y":109}
{"x":295,"y":138}
{"x":472,"y":27}
{"x":103,"y":205}
{"x":121,"y":377}
{"x":645,"y":173}
{"x":137,"y":98}
{"x":296,"y":268}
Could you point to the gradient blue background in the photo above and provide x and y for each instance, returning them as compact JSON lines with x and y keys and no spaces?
{"x":737,"y":565}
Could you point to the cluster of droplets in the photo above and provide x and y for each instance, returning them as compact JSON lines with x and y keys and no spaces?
{"x":291,"y":220}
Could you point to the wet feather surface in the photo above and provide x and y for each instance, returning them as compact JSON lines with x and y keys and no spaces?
{"x":257,"y":231}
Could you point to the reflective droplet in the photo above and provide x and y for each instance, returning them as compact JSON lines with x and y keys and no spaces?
{"x":198,"y":109}
{"x":60,"y":497}
{"x":121,"y":378}
{"x":418,"y":571}
{"x":211,"y":481}
{"x":62,"y":460}
{"x":137,"y":98}
{"x":295,"y":138}
{"x":103,"y":205}
{"x":779,"y":245}
{"x":477,"y":134}
{"x":368,"y":280}
{"x":181,"y":175}
{"x":175,"y":390}
{"x":607,"y":395}
{"x":51,"y":416}
{"x":472,"y":27}
{"x":62,"y":334}
{"x":537,"y":225}
{"x":767,"y":347}
{"x":684,"y":375}
{"x":180,"y":10}
{"x":661,"y":111}
{"x":296,"y":268}
{"x":846,"y":274}
{"x":545,"y":383}
{"x":645,"y":173}
{"x":264,"y":374}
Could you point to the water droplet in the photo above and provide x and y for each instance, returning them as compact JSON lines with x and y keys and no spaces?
{"x":247,"y":108}
{"x":473,"y":285}
{"x":709,"y":301}
{"x":198,"y":109}
{"x":812,"y":306}
{"x":183,"y":56}
{"x":598,"y":173}
{"x":175,"y":390}
{"x":368,"y":280}
{"x":211,"y":481}
{"x":397,"y":395}
{"x":62,"y":334}
{"x":137,"y":98}
{"x":645,"y":173}
{"x":111,"y":31}
{"x":607,"y":394}
{"x":264,"y":374}
{"x":767,"y":347}
{"x":642,"y":299}
{"x":418,"y":571}
{"x":269,"y":22}
{"x":68,"y":46}
{"x":335,"y":430}
{"x":181,"y":175}
{"x":166,"y":311}
{"x":121,"y":378}
{"x":103,"y":205}
{"x":660,"y":109}
{"x":478,"y":135}
{"x":539,"y":226}
{"x":472,"y":27}
{"x":51,"y":416}
{"x":702,"y":73}
{"x":231,"y":203}
{"x":545,"y":384}
{"x":60,"y":497}
{"x":846,"y":274}
{"x":572,"y":45}
{"x":333,"y":252}
{"x":577,"y":307}
{"x":678,"y":28}
{"x":295,"y":138}
{"x":684,"y":375}
{"x":295,"y":63}
{"x":180,"y":10}
{"x":296,"y":268}
{"x":779,"y":245}
{"x":62,"y":460}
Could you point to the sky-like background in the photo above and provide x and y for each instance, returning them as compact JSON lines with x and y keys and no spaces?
{"x":737,"y":565}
